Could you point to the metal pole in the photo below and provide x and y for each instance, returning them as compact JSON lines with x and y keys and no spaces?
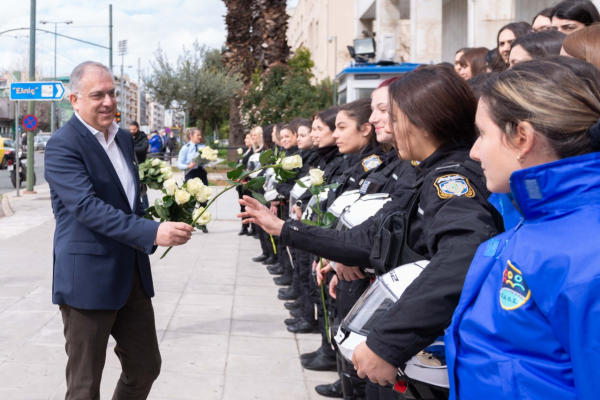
{"x":122,"y":106}
{"x":110,"y":37}
{"x":139,"y":93}
{"x":53,"y":119}
{"x":17,"y":147}
{"x":30,"y":104}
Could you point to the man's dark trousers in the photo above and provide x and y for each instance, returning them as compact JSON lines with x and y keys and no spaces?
{"x":87,"y":333}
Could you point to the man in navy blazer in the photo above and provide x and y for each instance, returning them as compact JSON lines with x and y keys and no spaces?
{"x":102,"y":279}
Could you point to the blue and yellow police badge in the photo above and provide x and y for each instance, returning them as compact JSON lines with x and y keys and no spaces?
{"x":514,"y":292}
{"x":371,"y":162}
{"x":453,"y":185}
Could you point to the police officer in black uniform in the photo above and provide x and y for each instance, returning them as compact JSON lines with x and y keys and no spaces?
{"x":443,"y":218}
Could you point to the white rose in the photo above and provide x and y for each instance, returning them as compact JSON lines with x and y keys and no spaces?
{"x":169,"y":175}
{"x":165,"y":170}
{"x":181,"y":196}
{"x":194,"y":186}
{"x":216,"y":142}
{"x":204,"y":194}
{"x":240,"y":151}
{"x":155,"y":162}
{"x":170,"y":186}
{"x":316,"y":176}
{"x":204,"y":219}
{"x":292,"y":162}
{"x":163,"y":164}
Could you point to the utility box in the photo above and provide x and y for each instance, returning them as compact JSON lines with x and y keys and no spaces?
{"x":358,"y":81}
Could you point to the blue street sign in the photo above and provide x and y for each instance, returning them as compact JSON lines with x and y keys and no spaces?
{"x":38,"y":91}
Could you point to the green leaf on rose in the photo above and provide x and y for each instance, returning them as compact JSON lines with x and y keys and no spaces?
{"x":328,"y":220}
{"x":301,"y":184}
{"x":331,"y":186}
{"x":259,"y":197}
{"x":255,"y":183}
{"x":309,"y":222}
{"x":153,"y":185}
{"x":235,"y":173}
{"x":265,"y":157}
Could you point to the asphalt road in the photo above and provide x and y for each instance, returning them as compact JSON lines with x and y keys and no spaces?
{"x":6,"y":186}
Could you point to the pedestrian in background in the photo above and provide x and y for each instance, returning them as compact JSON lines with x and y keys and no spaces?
{"x":187,"y":155}
{"x":140,"y":146}
{"x":102,"y":280}
{"x":155,"y":144}
{"x":172,"y":146}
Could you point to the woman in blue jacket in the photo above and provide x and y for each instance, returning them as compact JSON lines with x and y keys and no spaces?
{"x":528,"y":322}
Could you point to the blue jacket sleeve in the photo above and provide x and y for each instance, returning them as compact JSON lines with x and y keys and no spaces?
{"x":181,"y":164}
{"x":575,"y":320}
{"x":66,"y":173}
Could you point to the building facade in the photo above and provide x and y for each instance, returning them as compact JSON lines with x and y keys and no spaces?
{"x":155,"y":114}
{"x":419,"y":31}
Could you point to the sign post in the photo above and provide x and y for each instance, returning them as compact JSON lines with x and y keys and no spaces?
{"x":32,"y":91}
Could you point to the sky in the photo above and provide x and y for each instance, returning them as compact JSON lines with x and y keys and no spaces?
{"x":146,"y":25}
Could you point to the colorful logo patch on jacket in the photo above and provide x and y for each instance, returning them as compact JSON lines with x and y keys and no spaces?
{"x":514,"y":292}
{"x":371,"y":162}
{"x":453,"y":185}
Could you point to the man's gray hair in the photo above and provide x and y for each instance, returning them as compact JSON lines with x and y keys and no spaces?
{"x":79,"y":72}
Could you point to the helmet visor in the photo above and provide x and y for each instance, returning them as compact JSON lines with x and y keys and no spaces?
{"x":370,"y":308}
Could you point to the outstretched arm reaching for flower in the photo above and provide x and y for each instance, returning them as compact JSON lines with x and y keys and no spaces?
{"x":256,"y":213}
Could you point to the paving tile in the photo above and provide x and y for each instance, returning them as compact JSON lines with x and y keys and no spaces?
{"x":255,"y":281}
{"x":40,"y":353}
{"x":259,"y":302}
{"x":166,"y":297}
{"x":179,"y":385}
{"x":215,"y":326}
{"x":206,"y":299}
{"x":202,"y":311}
{"x":6,"y":302}
{"x":260,"y":314}
{"x":254,"y":365}
{"x":164,"y":308}
{"x":209,"y":288}
{"x":263,"y":388}
{"x":19,"y":376}
{"x":168,"y":286}
{"x":269,"y":347}
{"x":193,"y":361}
{"x":260,"y":329}
{"x":264,"y":291}
{"x":198,"y":341}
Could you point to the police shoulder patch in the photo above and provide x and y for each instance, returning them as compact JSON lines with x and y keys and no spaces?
{"x":371,"y":162}
{"x":514,"y":292}
{"x":453,"y":185}
{"x":414,"y":163}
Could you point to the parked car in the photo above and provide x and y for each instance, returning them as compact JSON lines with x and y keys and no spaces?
{"x":40,"y":142}
{"x":7,"y":151}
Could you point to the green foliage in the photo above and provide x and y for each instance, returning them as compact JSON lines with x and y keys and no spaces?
{"x":284,"y":92}
{"x":198,"y":84}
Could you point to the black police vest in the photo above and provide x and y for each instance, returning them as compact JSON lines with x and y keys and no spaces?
{"x":390,"y":232}
{"x":375,"y":181}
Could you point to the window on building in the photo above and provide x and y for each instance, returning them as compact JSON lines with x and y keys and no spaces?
{"x":343,"y":96}
{"x":364,"y":93}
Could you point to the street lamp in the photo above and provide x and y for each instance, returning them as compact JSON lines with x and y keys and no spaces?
{"x":122,"y":52}
{"x":331,"y":39}
{"x":53,"y":119}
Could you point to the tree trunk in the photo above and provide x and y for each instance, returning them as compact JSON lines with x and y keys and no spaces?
{"x":236,"y":130}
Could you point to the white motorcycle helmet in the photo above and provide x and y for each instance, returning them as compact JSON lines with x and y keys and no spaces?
{"x":363,"y":209}
{"x":344,"y":201}
{"x":322,"y":198}
{"x":297,"y":192}
{"x":429,"y":366}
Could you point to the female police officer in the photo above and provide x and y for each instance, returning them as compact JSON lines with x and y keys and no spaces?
{"x":432,"y":120}
{"x":528,"y":322}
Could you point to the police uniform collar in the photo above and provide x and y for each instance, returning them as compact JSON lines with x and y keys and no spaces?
{"x":446,"y":152}
{"x":327,"y":153}
{"x":566,"y":184}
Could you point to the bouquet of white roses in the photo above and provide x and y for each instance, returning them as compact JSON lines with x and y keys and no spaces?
{"x":153,"y":172}
{"x":206,"y":155}
{"x":181,"y":203}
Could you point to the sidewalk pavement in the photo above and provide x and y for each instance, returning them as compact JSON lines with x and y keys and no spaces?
{"x":219,"y":323}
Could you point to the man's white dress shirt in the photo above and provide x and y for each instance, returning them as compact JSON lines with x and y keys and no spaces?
{"x":116,"y":158}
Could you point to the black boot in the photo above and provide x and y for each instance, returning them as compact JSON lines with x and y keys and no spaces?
{"x":331,"y":390}
{"x":290,"y":295}
{"x":275,"y":269}
{"x":285,"y":279}
{"x":321,"y":362}
{"x":251,"y":231}
{"x":260,"y":258}
{"x":270,"y":261}
{"x":292,"y":305}
{"x":309,"y":356}
{"x":243,"y":231}
{"x":304,"y":326}
{"x":297,"y":313}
